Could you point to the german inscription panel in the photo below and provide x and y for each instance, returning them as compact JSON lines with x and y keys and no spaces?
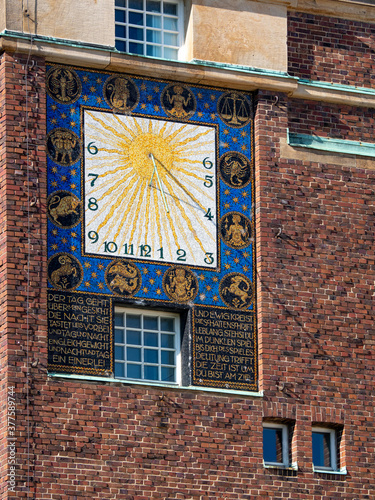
{"x":79,"y":333}
{"x":224,"y":348}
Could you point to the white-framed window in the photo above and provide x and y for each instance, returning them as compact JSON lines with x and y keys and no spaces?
{"x":324,"y":449}
{"x":147,"y":345}
{"x":275,"y":444}
{"x":149,"y":27}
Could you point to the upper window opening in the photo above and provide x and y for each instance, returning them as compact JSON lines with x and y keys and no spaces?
{"x":324,"y":449}
{"x":149,"y":27}
{"x":147,"y":345}
{"x":276,"y":444}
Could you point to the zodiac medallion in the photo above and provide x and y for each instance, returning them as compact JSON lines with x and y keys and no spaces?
{"x":178,"y":101}
{"x":64,"y":271}
{"x":235,"y":230}
{"x":64,"y":209}
{"x":63,"y":146}
{"x":123,"y":278}
{"x":63,"y":85}
{"x":180,"y":284}
{"x":235,"y":169}
{"x":121,"y":93}
{"x":234,"y":109}
{"x":236,"y":290}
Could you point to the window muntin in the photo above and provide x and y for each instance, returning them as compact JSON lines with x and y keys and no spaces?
{"x":324,"y":448}
{"x":149,"y":27}
{"x":276,"y":444}
{"x":147,"y":345}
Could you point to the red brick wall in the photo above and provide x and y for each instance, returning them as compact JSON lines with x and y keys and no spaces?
{"x":331,"y":49}
{"x":315,"y":295}
{"x":330,"y":120}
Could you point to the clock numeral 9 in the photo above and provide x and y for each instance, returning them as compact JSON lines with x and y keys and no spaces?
{"x":181,"y":255}
{"x":93,"y":204}
{"x":110,"y":246}
{"x":93,"y":150}
{"x":207,"y":163}
{"x":209,"y":258}
{"x":209,"y":215}
{"x":93,"y":235}
{"x":208,"y":180}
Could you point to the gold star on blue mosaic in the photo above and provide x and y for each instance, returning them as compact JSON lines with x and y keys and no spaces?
{"x":100,"y":286}
{"x":54,"y":246}
{"x":208,"y":287}
{"x":227,"y":266}
{"x":99,"y":100}
{"x":92,"y":89}
{"x":215,"y":298}
{"x":143,"y":86}
{"x":202,"y":277}
{"x":200,"y":114}
{"x":156,"y":107}
{"x":100,"y":266}
{"x":73,"y":186}
{"x":226,"y":205}
{"x":215,"y":279}
{"x":145,"y":270}
{"x":54,"y":184}
{"x":54,"y":232}
{"x":158,"y":291}
{"x":99,"y":81}
{"x":73,"y":124}
{"x":73,"y":248}
{"x":152,"y":281}
{"x":226,"y":191}
{"x":87,"y":265}
{"x":227,"y":252}
{"x":53,"y":107}
{"x":246,"y":255}
{"x":206,"y":105}
{"x":63,"y":178}
{"x":143,"y":106}
{"x":94,"y":275}
{"x":243,"y":133}
{"x":234,"y":139}
{"x":226,"y":131}
{"x":85,"y":78}
{"x":64,"y":240}
{"x":73,"y":172}
{"x":225,"y":145}
{"x":199,"y":95}
{"x":245,"y":194}
{"x":73,"y":111}
{"x":156,"y":89}
{"x":63,"y":116}
{"x":212,"y":97}
{"x":85,"y":98}
{"x":158,"y":272}
{"x":213,"y":116}
{"x":73,"y":234}
{"x":149,"y":97}
{"x":243,"y":147}
{"x":236,"y":260}
{"x":202,"y":296}
{"x":145,"y":289}
{"x":54,"y":169}
{"x":235,"y":199}
{"x":245,"y":269}
{"x":54,"y":121}
{"x":87,"y":284}
{"x":244,"y":207}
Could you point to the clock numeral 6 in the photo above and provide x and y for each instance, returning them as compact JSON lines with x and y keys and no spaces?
{"x":110,"y":246}
{"x":93,"y":204}
{"x":208,"y":180}
{"x":181,"y":255}
{"x":209,"y":215}
{"x":93,"y":235}
{"x":207,"y":163}
{"x":93,"y":150}
{"x":209,"y":258}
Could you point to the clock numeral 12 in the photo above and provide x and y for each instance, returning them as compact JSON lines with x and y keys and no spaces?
{"x":145,"y":250}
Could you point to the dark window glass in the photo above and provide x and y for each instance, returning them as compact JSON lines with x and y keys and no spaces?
{"x":321,"y":449}
{"x":272,"y":445}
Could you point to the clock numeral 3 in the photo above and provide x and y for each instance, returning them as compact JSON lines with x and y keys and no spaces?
{"x":93,"y":150}
{"x":93,"y":204}
{"x":110,"y":246}
{"x":181,"y":255}
{"x":93,"y":235}
{"x":209,"y":215}
{"x":209,"y":258}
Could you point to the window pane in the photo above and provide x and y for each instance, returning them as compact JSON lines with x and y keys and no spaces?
{"x":170,"y":24}
{"x":120,"y":16}
{"x":153,"y":6}
{"x":133,"y":337}
{"x":170,"y":8}
{"x":133,"y":371}
{"x":151,"y":339}
{"x":136,"y":18}
{"x":168,"y":374}
{"x":167,"y":341}
{"x":119,"y":352}
{"x":133,"y":354}
{"x":119,"y":337}
{"x":167,"y":324}
{"x":120,"y":3}
{"x":151,"y":356}
{"x":170,"y":39}
{"x":133,"y":320}
{"x":153,"y":50}
{"x":167,"y":357}
{"x":170,"y":54}
{"x":136,"y":48}
{"x":120,"y":31}
{"x":321,"y":449}
{"x":150,"y":322}
{"x":153,"y":36}
{"x":272,"y":445}
{"x":136,"y":4}
{"x":120,"y":45}
{"x":135,"y":33}
{"x":119,"y":370}
{"x":153,"y":21}
{"x":151,"y":372}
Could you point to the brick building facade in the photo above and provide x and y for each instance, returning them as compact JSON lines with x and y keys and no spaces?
{"x":76,"y":429}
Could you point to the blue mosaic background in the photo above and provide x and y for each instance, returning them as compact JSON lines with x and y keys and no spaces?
{"x":68,"y":178}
